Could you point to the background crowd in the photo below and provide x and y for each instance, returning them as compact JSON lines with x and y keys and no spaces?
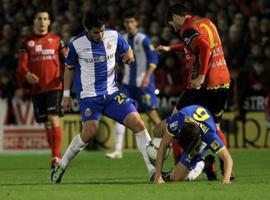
{"x":244,"y":27}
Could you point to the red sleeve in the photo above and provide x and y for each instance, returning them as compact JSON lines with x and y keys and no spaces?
{"x":201,"y":44}
{"x":23,"y":61}
{"x":177,"y":47}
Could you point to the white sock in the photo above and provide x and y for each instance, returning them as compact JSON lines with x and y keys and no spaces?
{"x":73,"y":149}
{"x":142,"y":139}
{"x":119,"y":136}
{"x":193,"y":174}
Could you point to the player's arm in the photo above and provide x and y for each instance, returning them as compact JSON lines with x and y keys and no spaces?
{"x":152,"y":60}
{"x":128,"y":56}
{"x":124,"y":50}
{"x":228,"y":164}
{"x":173,"y":47}
{"x":198,"y":43}
{"x":167,"y":137}
{"x":68,"y":77}
{"x":71,"y":60}
{"x":23,"y":67}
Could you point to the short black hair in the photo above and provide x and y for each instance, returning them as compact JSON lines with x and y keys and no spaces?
{"x":130,"y":14}
{"x":190,"y":137}
{"x":177,"y":9}
{"x":43,"y":9}
{"x":95,"y":18}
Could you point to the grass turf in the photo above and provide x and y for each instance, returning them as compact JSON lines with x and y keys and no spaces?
{"x":92,"y":176}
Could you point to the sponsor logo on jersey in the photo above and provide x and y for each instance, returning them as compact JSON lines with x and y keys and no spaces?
{"x":50,"y":40}
{"x":109,"y":46}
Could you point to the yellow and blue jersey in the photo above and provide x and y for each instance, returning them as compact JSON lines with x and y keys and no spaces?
{"x":201,"y":116}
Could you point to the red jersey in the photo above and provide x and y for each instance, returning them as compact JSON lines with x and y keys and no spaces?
{"x":203,"y":47}
{"x":44,"y":57}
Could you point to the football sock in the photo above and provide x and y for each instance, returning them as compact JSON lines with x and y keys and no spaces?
{"x":142,"y":139}
{"x":49,"y":137}
{"x":119,"y":135}
{"x":73,"y":149}
{"x":57,"y":139}
{"x":193,"y":174}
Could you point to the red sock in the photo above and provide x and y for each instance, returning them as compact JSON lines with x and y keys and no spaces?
{"x":222,"y":137}
{"x":57,"y":139}
{"x":177,"y":151}
{"x":49,"y":137}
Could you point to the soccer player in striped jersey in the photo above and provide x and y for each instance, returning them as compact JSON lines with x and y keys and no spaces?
{"x":90,"y":65}
{"x":138,"y":81}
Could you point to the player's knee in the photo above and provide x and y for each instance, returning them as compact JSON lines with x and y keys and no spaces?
{"x":89,"y":131}
{"x":138,"y":125}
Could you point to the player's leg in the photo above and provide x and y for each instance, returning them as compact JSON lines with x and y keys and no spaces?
{"x":147,"y":101}
{"x":121,"y":109}
{"x":40,"y":109}
{"x":90,"y":113}
{"x":186,"y":169}
{"x":118,"y":141}
{"x":53,"y":104}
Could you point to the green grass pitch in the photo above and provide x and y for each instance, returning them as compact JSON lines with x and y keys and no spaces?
{"x":92,"y":176}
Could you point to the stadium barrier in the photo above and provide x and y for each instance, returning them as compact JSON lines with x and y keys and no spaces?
{"x":21,"y":132}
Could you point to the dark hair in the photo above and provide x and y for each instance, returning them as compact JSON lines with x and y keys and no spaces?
{"x":95,"y":18}
{"x":42,"y":9}
{"x":130,"y":14}
{"x":177,"y":9}
{"x":190,"y":137}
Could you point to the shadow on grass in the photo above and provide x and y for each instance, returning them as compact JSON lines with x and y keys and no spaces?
{"x":93,"y":182}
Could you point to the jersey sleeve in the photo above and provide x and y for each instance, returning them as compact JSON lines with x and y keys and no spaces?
{"x":23,"y":60}
{"x":122,"y":45}
{"x":71,"y":58}
{"x":214,"y":142}
{"x":177,"y":47}
{"x":174,"y":123}
{"x":197,"y":42}
{"x":151,"y":54}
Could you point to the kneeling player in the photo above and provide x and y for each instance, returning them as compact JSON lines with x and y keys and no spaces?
{"x":195,"y":130}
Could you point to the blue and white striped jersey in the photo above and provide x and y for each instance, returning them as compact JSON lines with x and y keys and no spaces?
{"x":95,"y":63}
{"x":145,"y":55}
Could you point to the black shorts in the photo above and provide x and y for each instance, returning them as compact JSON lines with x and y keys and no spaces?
{"x":47,"y":103}
{"x":212,"y":99}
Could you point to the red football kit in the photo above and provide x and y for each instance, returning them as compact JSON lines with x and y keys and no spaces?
{"x":204,"y":52}
{"x":41,"y":55}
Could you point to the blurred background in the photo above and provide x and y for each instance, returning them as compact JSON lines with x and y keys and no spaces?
{"x":245,"y":33}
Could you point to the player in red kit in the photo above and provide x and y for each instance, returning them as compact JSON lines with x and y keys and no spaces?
{"x":209,"y":79}
{"x":41,"y":63}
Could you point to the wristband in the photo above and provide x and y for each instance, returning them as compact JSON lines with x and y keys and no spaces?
{"x":66,"y":93}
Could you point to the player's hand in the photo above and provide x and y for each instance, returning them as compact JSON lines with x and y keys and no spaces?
{"x":31,"y":78}
{"x":67,"y":103}
{"x":197,"y":82}
{"x":161,"y":48}
{"x":145,"y":82}
{"x":128,"y":57}
{"x":159,"y":180}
